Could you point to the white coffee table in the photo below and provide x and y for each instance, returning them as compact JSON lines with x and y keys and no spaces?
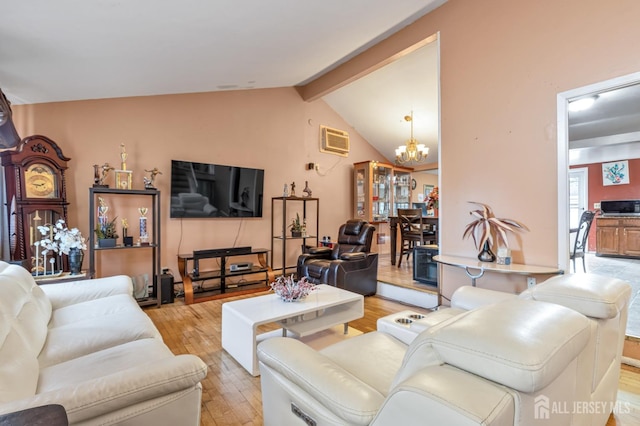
{"x":325,"y":307}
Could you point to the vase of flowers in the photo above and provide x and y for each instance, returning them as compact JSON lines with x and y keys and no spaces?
{"x":291,"y":290}
{"x":62,"y":240}
{"x":433,"y":201}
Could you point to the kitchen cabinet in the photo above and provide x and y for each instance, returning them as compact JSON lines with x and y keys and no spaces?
{"x":618,"y":236}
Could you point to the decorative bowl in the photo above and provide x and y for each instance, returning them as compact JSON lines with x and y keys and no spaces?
{"x":290,"y":290}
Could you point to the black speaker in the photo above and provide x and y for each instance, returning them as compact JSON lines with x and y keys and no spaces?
{"x":166,"y":283}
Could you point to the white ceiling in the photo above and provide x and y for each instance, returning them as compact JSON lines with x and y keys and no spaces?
{"x":67,"y":50}
{"x":375,"y":105}
{"x":74,"y":50}
{"x":609,"y":130}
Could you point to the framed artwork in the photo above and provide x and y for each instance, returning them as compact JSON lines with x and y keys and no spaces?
{"x":427,"y":191}
{"x":615,"y":173}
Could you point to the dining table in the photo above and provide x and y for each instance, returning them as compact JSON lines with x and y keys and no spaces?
{"x":431,"y":231}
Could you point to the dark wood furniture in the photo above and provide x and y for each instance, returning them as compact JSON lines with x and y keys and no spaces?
{"x":154,"y":228}
{"x":222,"y":287}
{"x":45,"y":415}
{"x":36,"y":192}
{"x":380,"y":190}
{"x":618,"y":236}
{"x":411,"y":231}
{"x":393,"y":228}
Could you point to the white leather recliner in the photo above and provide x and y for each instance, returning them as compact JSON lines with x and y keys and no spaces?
{"x":550,"y":356}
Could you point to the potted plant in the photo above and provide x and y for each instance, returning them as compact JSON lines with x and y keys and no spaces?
{"x":485,"y":226}
{"x":296,"y":226}
{"x":107,"y":234}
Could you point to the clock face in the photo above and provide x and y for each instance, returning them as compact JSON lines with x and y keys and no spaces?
{"x":40,"y":181}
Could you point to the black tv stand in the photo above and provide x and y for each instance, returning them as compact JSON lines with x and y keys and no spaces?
{"x":262,"y":273}
{"x":221,"y":253}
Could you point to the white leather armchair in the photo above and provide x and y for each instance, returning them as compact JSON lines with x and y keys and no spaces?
{"x":513,"y":362}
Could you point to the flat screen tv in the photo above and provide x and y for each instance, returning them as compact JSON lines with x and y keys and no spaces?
{"x":201,"y":190}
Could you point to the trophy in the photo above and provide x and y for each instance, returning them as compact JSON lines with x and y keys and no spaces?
{"x":144,"y":236}
{"x":128,"y":240}
{"x":103,"y":220}
{"x":123,"y":176}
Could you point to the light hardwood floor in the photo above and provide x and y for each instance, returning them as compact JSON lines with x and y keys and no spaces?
{"x":231,"y":396}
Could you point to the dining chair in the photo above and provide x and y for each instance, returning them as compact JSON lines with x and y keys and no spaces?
{"x":582,"y":235}
{"x":411,"y":231}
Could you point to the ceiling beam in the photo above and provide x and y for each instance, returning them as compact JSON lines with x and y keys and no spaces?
{"x":388,"y":50}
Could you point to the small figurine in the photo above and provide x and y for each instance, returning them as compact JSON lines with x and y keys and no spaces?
{"x":149,"y":182}
{"x":106,"y":168}
{"x":293,"y":189}
{"x":285,"y":192}
{"x":127,"y":240}
{"x":306,"y":189}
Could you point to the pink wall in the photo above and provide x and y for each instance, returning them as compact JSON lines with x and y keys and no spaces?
{"x":598,"y":192}
{"x":503,"y":64}
{"x":271,"y":129}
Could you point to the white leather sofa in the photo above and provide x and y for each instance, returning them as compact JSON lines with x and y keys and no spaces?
{"x":550,"y":356}
{"x":89,"y":347}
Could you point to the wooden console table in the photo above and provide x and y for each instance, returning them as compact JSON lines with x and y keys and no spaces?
{"x":222,"y":274}
{"x":476,"y":269}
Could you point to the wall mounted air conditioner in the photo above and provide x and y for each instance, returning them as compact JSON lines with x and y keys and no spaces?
{"x":334,"y":141}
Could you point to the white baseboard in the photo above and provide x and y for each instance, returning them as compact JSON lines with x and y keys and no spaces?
{"x":631,"y":361}
{"x":406,"y":295}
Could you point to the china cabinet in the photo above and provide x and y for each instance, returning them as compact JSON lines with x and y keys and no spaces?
{"x":380,"y":189}
{"x":36,"y":192}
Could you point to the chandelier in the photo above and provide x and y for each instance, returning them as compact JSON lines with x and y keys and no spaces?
{"x":412,"y":151}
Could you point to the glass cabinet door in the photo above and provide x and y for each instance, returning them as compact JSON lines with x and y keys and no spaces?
{"x":361,"y":190}
{"x":401,"y":190}
{"x":381,"y":194}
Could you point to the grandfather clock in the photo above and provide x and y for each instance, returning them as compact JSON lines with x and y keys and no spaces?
{"x":36,"y":191}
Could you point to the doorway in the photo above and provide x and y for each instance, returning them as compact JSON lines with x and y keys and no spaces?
{"x":598,"y":148}
{"x":578,"y":185}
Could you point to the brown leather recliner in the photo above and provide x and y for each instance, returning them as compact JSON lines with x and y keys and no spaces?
{"x":349,"y":265}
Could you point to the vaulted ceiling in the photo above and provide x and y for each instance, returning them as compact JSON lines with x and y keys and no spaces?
{"x":70,"y":50}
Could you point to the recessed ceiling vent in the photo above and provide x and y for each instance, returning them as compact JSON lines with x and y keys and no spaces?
{"x":334,"y":141}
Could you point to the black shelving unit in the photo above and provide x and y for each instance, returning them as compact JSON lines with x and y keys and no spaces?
{"x":154,"y":244}
{"x":280,"y":233}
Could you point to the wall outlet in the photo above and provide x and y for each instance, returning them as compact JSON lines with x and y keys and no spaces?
{"x":596,"y":205}
{"x":531,"y":282}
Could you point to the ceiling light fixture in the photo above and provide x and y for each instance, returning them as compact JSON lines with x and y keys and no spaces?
{"x":582,"y":104}
{"x":412,"y":151}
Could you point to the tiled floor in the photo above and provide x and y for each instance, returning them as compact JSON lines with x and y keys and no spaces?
{"x":626,"y":269}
